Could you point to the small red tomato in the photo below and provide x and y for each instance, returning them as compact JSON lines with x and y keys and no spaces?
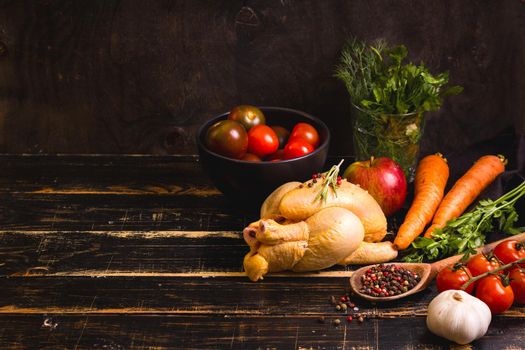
{"x":494,"y":291}
{"x":517,"y":283}
{"x":305,"y":131}
{"x":276,"y":156}
{"x":262,"y":140}
{"x":509,"y":251}
{"x":482,"y":263}
{"x":282,"y":134}
{"x":297,"y":148}
{"x":454,"y":277}
{"x":251,"y":158}
{"x":227,"y":138}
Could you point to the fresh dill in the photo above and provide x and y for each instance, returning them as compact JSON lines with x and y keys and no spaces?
{"x":379,"y":81}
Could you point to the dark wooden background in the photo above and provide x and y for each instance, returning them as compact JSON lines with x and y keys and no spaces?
{"x":112,"y":76}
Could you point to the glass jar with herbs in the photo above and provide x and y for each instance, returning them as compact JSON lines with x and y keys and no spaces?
{"x":389,"y":99}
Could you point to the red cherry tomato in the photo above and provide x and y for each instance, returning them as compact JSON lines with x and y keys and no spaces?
{"x":482,"y":263}
{"x":453,"y":277}
{"x":262,"y":140}
{"x":305,"y":131}
{"x":493,"y":292}
{"x":297,"y":148}
{"x":509,"y":251}
{"x":517,"y":283}
{"x":251,"y":158}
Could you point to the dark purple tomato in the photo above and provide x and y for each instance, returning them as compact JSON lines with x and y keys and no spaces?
{"x":227,"y":138}
{"x":248,"y":116}
{"x":282,"y":135}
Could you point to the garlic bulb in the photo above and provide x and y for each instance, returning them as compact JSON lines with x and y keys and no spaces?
{"x":458,"y":316}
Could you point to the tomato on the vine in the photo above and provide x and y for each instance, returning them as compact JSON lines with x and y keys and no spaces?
{"x":297,"y":148}
{"x":482,"y":263}
{"x":494,"y":291}
{"x":262,"y":140}
{"x":509,"y":251}
{"x":306,"y":132}
{"x":454,"y":277}
{"x":517,"y":283}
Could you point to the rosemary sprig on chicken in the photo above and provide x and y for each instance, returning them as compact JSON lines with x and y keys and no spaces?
{"x":331,"y":179}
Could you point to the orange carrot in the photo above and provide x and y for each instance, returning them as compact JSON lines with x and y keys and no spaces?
{"x":429,"y":188}
{"x":467,"y":189}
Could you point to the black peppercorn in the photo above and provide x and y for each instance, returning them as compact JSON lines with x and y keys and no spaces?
{"x":388,"y":280}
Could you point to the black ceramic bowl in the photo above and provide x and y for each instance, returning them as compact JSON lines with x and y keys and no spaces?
{"x":251,"y":182}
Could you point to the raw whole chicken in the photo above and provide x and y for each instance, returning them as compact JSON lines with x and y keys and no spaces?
{"x":298,"y":231}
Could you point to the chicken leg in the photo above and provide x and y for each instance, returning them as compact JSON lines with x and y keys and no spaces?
{"x":321,"y":241}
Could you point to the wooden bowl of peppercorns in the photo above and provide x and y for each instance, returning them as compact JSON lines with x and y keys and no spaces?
{"x":387,"y":282}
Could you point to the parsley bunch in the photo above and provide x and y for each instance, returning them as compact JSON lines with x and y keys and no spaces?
{"x":379,"y":81}
{"x":467,"y":232}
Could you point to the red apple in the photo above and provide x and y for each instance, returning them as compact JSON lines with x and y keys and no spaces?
{"x":383,"y":178}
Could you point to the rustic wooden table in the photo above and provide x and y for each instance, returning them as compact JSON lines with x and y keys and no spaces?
{"x":140,"y":252}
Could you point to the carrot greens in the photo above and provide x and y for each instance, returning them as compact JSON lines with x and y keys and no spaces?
{"x":467,"y":232}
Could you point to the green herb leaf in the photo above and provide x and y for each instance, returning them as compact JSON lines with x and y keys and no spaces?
{"x":467,"y":232}
{"x":378,"y":80}
{"x":329,"y":182}
{"x":453,"y":90}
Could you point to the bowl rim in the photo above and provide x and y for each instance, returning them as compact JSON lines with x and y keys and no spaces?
{"x":320,"y":148}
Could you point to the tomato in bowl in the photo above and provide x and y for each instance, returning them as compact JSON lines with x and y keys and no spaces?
{"x":251,"y":181}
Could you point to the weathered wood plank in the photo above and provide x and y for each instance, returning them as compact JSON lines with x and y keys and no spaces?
{"x":24,"y":252}
{"x":143,"y":175}
{"x":117,"y":213}
{"x":112,"y":175}
{"x":51,"y":331}
{"x":66,"y":252}
{"x":84,"y":189}
{"x":212,"y":295}
{"x":62,"y":252}
{"x":207,"y":295}
{"x":186,"y":332}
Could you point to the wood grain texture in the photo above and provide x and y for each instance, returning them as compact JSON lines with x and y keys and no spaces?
{"x":123,"y":252}
{"x":234,"y":332}
{"x":137,"y":175}
{"x":136,"y":77}
{"x":88,"y":212}
{"x":307,"y":295}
